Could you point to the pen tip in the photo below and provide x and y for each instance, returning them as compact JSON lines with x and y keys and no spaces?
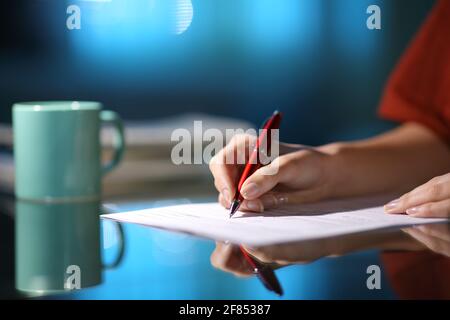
{"x":279,"y":292}
{"x":234,"y":207}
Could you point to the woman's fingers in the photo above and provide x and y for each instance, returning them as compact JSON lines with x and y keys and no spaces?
{"x":224,"y":178}
{"x":263,"y":254}
{"x":229,"y":258}
{"x":424,"y":199}
{"x":288,"y":253}
{"x":292,"y":178}
{"x":439,"y":209}
{"x":273,"y":200}
{"x":224,"y":202}
{"x":246,"y":205}
{"x":440,"y":230}
{"x":284,"y":169}
{"x":252,"y":205}
{"x":263,"y":180}
{"x":226,"y":164}
{"x":301,"y":170}
{"x":434,"y":244}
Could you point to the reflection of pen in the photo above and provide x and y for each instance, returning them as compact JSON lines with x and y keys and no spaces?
{"x":253,"y":163}
{"x":264,"y":272}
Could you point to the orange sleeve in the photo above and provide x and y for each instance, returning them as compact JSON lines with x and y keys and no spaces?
{"x":419,"y":88}
{"x":418,"y":274}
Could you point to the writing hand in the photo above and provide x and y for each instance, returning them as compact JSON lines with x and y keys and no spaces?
{"x":301,"y":176}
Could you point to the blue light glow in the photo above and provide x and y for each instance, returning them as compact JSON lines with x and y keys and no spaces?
{"x":282,"y":23}
{"x":348,"y":32}
{"x":183,"y":13}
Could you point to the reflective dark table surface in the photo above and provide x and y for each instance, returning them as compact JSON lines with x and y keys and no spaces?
{"x":48,"y":251}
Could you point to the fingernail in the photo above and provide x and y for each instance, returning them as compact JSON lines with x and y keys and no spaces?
{"x":391,"y":206}
{"x":414,"y":211}
{"x":250,"y":190}
{"x":255,"y":206}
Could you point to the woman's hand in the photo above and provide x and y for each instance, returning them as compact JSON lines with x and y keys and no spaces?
{"x":435,"y":237}
{"x":301,"y":176}
{"x":228,"y":257}
{"x":391,"y":163}
{"x":430,"y":200}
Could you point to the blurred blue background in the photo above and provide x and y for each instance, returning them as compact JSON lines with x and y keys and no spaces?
{"x":313,"y":59}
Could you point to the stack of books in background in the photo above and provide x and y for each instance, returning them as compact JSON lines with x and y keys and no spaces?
{"x":147,"y":166}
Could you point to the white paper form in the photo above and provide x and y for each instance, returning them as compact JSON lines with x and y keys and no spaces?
{"x":305,"y":222}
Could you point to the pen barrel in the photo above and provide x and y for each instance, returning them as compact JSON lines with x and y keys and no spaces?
{"x":254,"y":162}
{"x":250,"y":168}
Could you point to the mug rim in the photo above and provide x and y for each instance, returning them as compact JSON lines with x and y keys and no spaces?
{"x":57,"y":105}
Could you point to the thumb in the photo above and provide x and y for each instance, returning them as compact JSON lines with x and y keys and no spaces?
{"x":263,"y":180}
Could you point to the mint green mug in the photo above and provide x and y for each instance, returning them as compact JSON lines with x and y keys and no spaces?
{"x":57,"y":150}
{"x":58,"y":246}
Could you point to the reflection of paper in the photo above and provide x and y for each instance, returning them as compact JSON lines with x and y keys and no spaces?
{"x":210,"y":220}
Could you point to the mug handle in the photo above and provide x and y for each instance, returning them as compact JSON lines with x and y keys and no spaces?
{"x":107,"y":116}
{"x":121,"y":253}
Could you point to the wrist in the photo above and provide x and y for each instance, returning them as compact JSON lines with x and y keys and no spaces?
{"x":335,"y":169}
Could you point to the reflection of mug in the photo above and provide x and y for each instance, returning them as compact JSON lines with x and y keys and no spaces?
{"x":58,"y":246}
{"x":57,"y":149}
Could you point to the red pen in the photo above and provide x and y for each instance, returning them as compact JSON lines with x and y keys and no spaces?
{"x":254,"y":164}
{"x":264,"y":272}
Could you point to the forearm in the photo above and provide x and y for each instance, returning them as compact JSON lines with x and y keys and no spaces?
{"x":394,"y":162}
